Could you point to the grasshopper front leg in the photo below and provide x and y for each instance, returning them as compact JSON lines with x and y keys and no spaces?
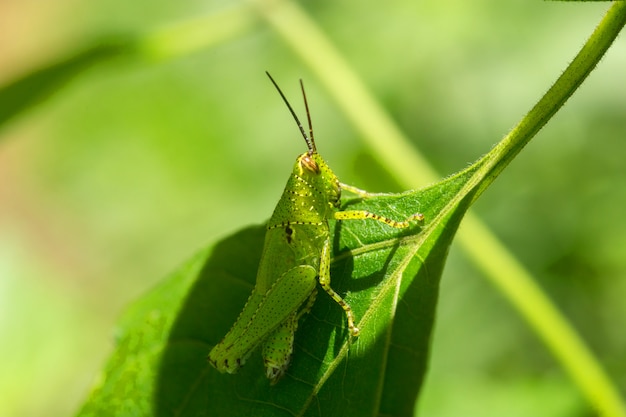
{"x":363,"y":214}
{"x":357,"y":191}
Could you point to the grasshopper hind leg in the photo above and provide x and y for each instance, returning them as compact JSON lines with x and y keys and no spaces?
{"x":278,"y":347}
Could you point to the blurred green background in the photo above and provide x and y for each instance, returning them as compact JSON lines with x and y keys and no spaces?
{"x":135,"y":165}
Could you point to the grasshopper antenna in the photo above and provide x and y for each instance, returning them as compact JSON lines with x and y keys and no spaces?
{"x":308,"y":115}
{"x":309,"y":140}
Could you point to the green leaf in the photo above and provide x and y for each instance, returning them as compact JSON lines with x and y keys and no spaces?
{"x":390,"y":278}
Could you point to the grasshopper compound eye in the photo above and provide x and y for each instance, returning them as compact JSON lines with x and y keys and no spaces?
{"x":309,"y":164}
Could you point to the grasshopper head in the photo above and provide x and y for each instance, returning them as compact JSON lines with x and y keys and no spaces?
{"x":314,"y":170}
{"x":310,"y":165}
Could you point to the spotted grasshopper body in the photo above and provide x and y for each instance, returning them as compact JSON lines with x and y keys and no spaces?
{"x":296,"y":257}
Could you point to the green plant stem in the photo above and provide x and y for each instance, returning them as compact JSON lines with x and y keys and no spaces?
{"x":412,"y":170}
{"x":535,"y":306}
{"x":577,"y":71}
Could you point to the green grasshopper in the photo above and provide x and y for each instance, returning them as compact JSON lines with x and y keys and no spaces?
{"x":296,"y":256}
